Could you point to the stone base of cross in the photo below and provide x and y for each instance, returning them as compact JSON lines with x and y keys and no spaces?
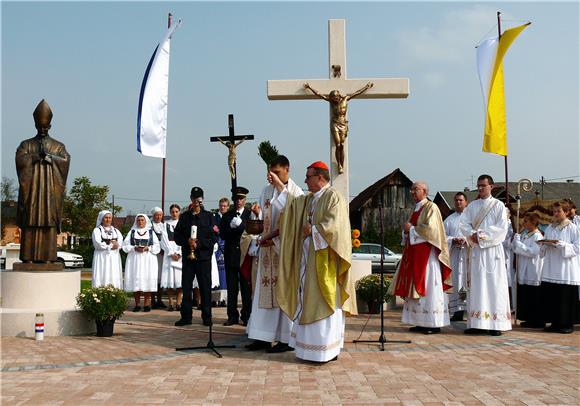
{"x":337,"y":80}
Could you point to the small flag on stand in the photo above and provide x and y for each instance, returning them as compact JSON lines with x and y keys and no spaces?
{"x":152,"y":114}
{"x":490,"y":55}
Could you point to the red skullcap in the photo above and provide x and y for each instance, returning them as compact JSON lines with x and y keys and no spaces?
{"x":319,"y":165}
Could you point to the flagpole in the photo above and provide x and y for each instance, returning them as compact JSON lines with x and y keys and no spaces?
{"x":163,"y":170}
{"x":505,"y":158}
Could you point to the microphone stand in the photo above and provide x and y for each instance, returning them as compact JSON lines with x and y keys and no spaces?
{"x":382,"y":340}
{"x":210,"y":345}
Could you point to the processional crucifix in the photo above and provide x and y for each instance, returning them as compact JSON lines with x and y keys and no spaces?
{"x":338,"y":90}
{"x":230,"y":143}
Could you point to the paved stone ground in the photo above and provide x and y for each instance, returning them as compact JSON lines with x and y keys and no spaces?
{"x":139,"y":365}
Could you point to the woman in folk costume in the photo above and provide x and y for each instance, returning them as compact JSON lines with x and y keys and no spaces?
{"x":107,"y":240}
{"x":141,"y":245}
{"x":561,"y":271}
{"x":158,"y":227}
{"x":171,"y":270}
{"x":529,"y":272}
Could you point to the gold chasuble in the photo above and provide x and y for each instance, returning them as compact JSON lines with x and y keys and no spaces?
{"x":326,"y":269}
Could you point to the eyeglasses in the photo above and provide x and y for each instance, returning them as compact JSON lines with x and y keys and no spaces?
{"x":310,"y":176}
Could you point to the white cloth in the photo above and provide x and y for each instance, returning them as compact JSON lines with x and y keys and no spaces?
{"x":107,"y":266}
{"x":215,"y":276}
{"x":458,"y":258}
{"x":488,"y":303}
{"x":171,"y":270}
{"x":141,"y":267}
{"x":270,"y":324}
{"x":529,"y":262}
{"x":562,"y":263}
{"x":507,"y":249}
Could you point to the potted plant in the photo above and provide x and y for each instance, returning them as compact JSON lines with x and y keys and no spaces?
{"x":368,"y":289}
{"x":104,"y":304}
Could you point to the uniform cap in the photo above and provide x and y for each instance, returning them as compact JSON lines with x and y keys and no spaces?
{"x":240,"y":192}
{"x":196,"y":192}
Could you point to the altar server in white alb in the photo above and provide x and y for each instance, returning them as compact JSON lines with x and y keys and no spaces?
{"x":485,"y":224}
{"x":107,"y":240}
{"x":458,"y":255}
{"x":171,"y":270}
{"x":561,"y":272}
{"x":142,"y":246}
{"x":267,"y":322}
{"x":529,"y":272}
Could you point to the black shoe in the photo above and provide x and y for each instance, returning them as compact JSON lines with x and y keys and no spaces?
{"x":155,"y":305}
{"x":222,"y":303}
{"x":147,"y":308}
{"x":258,"y":345}
{"x":457,"y":316}
{"x":178,"y":307}
{"x":170,"y":308}
{"x":230,"y":322}
{"x":494,"y":333}
{"x":244,"y":323}
{"x":280,"y":347}
{"x":198,"y":307}
{"x":182,"y":322}
{"x":213,"y":303}
{"x":435,"y":330}
{"x":417,"y":329}
{"x":475,"y":331}
{"x":137,"y":309}
{"x":207,"y":323}
{"x":161,"y":305}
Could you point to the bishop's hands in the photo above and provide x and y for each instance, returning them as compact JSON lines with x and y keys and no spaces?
{"x":407,"y":227}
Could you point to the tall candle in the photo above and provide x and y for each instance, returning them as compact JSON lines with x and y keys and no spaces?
{"x":193,"y":234}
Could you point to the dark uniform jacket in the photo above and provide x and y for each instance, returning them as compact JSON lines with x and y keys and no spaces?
{"x":231,"y":236}
{"x":206,"y":236}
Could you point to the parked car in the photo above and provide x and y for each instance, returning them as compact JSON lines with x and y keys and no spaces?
{"x":70,"y":260}
{"x":372,"y":252}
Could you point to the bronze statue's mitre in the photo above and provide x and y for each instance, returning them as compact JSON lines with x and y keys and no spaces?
{"x":42,"y":114}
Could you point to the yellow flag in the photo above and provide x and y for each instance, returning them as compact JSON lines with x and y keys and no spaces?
{"x":490,"y":55}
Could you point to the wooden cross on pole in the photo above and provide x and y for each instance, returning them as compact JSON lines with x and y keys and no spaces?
{"x":337,"y":81}
{"x":230,"y":143}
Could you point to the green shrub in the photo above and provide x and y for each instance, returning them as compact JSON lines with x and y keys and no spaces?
{"x":368,"y":288}
{"x":103,"y":303}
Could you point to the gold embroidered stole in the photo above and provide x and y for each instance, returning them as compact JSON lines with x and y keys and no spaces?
{"x":269,"y":260}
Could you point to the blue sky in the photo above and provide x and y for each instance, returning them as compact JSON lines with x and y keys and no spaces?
{"x":87,"y":60}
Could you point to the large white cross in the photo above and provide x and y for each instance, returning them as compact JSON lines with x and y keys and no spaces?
{"x":337,"y":80}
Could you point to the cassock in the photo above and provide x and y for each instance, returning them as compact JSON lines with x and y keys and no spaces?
{"x":107,"y":267}
{"x":141,"y":267}
{"x":458,"y":259}
{"x":42,"y":187}
{"x":529,"y":273}
{"x":425,"y":273}
{"x":315,"y":288}
{"x":171,"y":269}
{"x":561,"y":274}
{"x":267,"y":322}
{"x":488,"y":302}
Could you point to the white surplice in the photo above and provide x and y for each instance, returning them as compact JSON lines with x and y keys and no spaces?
{"x":561,"y":262}
{"x":458,"y":257}
{"x":431,"y":310}
{"x":107,"y":266}
{"x":488,"y":304}
{"x":270,"y":324}
{"x":529,"y":262}
{"x":322,"y":340}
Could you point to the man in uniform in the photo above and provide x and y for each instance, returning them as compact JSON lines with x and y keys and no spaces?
{"x":197,"y":251}
{"x":232,"y":229}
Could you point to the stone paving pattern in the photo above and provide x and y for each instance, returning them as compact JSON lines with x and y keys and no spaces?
{"x":139,"y":365}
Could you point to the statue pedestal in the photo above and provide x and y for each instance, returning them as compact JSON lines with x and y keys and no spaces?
{"x":26,"y":292}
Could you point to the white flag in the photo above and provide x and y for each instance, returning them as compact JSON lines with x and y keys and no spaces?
{"x":152,"y":114}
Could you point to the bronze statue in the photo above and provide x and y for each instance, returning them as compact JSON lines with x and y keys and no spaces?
{"x":42,"y":165}
{"x":232,"y":155}
{"x":339,"y":123}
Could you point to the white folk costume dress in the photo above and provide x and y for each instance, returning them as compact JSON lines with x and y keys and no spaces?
{"x":267,"y":322}
{"x":424,"y":273}
{"x":314,"y":286}
{"x":561,"y":274}
{"x":171,"y":270}
{"x":529,"y":274}
{"x":488,"y":302}
{"x":141,"y":267}
{"x":458,"y":258}
{"x":107,"y":266}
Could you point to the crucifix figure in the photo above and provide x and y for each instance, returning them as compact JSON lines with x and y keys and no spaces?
{"x":231,"y":145}
{"x":338,"y":83}
{"x":338,"y":121}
